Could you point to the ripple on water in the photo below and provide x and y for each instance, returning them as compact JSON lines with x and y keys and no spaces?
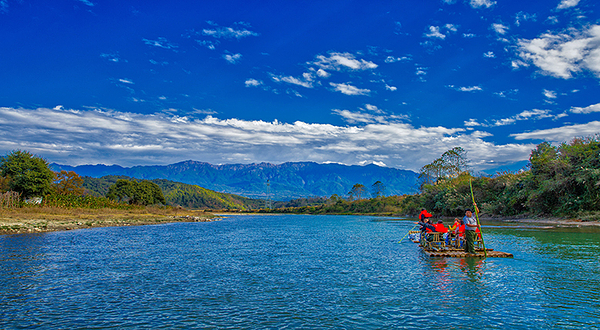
{"x":293,"y":272}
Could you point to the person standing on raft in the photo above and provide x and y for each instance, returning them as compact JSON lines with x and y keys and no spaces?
{"x":471,"y":227}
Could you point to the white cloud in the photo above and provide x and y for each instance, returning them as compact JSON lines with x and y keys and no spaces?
{"x":374,"y":108}
{"x":561,"y":134}
{"x":252,"y":82}
{"x":525,"y":115}
{"x":552,"y":20}
{"x":349,"y":89}
{"x":549,"y":94}
{"x":323,"y":74}
{"x":113,"y":57}
{"x":212,"y":45}
{"x":588,"y":109}
{"x":499,"y":28}
{"x":489,"y":54}
{"x":482,"y":3}
{"x":340,"y":61}
{"x":469,"y":35}
{"x":523,"y":17}
{"x":562,"y":55}
{"x":306,"y":80}
{"x":126,"y":81}
{"x":472,"y":123}
{"x":112,"y":137}
{"x":232,"y":58}
{"x":451,"y":27}
{"x":392,"y":59}
{"x":391,"y":88}
{"x":434,"y":32}
{"x":567,"y":4}
{"x":228,"y":32}
{"x":87,"y":3}
{"x":466,"y":89}
{"x":161,"y":43}
{"x":359,"y":117}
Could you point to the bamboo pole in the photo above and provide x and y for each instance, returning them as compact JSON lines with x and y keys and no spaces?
{"x":477,"y":216}
{"x":408,"y":233}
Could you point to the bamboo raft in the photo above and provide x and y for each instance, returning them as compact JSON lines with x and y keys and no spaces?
{"x":437,"y":248}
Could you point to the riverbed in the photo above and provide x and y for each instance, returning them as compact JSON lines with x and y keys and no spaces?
{"x":296,"y":271}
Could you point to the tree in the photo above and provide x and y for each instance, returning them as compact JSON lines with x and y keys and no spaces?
{"x":140,"y":193}
{"x":68,"y":183}
{"x":120,"y":190}
{"x":358,"y":190}
{"x":27,"y":173}
{"x":378,"y":189}
{"x":449,"y":165}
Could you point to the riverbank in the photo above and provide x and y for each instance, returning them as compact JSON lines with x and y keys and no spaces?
{"x":47,"y":219}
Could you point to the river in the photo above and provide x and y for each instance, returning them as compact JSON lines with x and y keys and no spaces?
{"x":294,"y":271}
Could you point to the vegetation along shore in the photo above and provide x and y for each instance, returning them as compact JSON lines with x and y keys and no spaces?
{"x":560,"y":186}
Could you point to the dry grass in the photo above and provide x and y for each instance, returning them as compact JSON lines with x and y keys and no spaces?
{"x":41,"y":219}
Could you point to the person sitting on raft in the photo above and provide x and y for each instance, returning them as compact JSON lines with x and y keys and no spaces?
{"x":440,"y":228}
{"x":457,"y":231}
{"x":425,"y":222}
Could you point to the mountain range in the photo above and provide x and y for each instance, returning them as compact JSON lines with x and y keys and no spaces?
{"x":264,"y":180}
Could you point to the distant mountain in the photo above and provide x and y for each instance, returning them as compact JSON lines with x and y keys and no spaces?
{"x":286,"y":181}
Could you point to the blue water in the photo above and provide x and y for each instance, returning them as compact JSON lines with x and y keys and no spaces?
{"x":273,"y":272}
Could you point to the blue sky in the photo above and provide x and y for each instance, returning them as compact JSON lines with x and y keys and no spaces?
{"x":395,"y":83}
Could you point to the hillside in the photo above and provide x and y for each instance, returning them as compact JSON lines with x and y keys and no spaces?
{"x":287,"y":180}
{"x":177,"y":193}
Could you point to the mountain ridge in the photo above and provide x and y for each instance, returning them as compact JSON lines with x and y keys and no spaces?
{"x":288,"y":180}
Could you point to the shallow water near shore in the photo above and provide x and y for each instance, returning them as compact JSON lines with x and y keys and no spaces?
{"x":294,"y":271}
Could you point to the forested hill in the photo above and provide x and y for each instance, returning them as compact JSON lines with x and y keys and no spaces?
{"x":287,"y":180}
{"x":177,"y":193}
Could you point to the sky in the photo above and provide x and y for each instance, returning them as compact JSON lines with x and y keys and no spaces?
{"x":392,"y":83}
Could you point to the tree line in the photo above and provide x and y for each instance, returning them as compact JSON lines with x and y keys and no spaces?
{"x":560,"y":180}
{"x":28,"y":176}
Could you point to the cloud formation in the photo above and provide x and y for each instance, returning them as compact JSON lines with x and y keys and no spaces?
{"x":561,"y":55}
{"x":342,"y":61}
{"x":588,"y":109}
{"x":482,"y":3}
{"x":161,"y":43}
{"x":228,"y":32}
{"x":349,"y":89}
{"x":111,"y":137}
{"x":567,"y":4}
{"x":466,"y":89}
{"x":561,"y":134}
{"x":232,"y":58}
{"x":500,"y":28}
{"x":534,"y":114}
{"x":306,"y":81}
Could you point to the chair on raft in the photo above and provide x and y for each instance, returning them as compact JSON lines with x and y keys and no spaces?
{"x":433,"y":241}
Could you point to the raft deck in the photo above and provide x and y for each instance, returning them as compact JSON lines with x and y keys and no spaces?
{"x":462,"y":254}
{"x":437,"y":248}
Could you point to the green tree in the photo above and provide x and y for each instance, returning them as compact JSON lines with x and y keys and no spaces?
{"x":449,"y":165}
{"x":122,"y":190}
{"x":358,"y":191}
{"x":378,"y":189}
{"x":27,"y":174}
{"x":139,"y":193}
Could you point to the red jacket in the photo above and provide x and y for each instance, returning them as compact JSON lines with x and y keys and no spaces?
{"x":424,"y":214}
{"x":440,"y":228}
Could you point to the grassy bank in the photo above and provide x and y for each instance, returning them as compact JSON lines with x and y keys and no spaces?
{"x":44,"y":219}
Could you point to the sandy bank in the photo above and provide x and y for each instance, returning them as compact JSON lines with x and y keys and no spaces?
{"x":19,"y":221}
